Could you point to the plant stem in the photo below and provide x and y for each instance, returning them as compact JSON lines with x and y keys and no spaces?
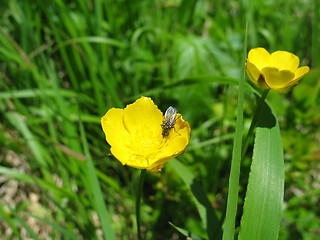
{"x":253,"y":122}
{"x":138,"y":201}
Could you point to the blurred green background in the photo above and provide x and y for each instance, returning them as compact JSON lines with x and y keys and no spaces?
{"x":63,"y":64}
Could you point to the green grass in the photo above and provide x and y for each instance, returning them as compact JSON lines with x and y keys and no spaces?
{"x":63,"y":64}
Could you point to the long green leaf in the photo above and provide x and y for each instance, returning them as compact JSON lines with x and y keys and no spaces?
{"x":264,"y":198}
{"x":15,"y":174}
{"x":37,"y":93}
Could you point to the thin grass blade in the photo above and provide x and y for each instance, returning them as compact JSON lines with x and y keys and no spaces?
{"x":95,"y":190}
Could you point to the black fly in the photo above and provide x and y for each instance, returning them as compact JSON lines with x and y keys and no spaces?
{"x":169,"y":121}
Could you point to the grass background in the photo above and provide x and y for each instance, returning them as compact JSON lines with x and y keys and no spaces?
{"x":65,"y":63}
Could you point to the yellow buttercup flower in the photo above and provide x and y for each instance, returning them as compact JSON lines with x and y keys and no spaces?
{"x":136,"y":137}
{"x":279,"y":70}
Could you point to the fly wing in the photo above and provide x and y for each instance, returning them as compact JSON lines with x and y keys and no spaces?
{"x":170,"y":111}
{"x":170,"y":115}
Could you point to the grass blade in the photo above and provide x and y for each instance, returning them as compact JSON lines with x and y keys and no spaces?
{"x":232,"y":201}
{"x":18,"y":122}
{"x":264,"y":198}
{"x":95,"y":190}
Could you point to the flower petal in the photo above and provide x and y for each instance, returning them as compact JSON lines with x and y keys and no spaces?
{"x":284,"y":60}
{"x":299,"y":74}
{"x":182,"y":127}
{"x":174,"y":147}
{"x":129,"y":158}
{"x":175,"y":143}
{"x":112,"y":126}
{"x":301,"y":71}
{"x":143,"y":118}
{"x":277,"y":79}
{"x":260,"y":57}
{"x":253,"y":72}
{"x":121,"y":153}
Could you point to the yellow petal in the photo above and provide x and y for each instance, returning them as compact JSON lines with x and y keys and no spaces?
{"x":143,"y":118}
{"x":301,"y":72}
{"x":175,"y":143}
{"x":175,"y":147}
{"x":260,"y":57}
{"x":298,"y":75}
{"x":284,"y":60}
{"x":121,"y":153}
{"x":277,"y":79}
{"x":253,"y":72}
{"x":112,"y":126}
{"x":182,"y":127}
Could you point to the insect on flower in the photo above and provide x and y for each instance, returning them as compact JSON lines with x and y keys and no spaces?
{"x":135,"y":136}
{"x":169,"y":121}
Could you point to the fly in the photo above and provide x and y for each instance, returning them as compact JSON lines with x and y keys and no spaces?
{"x":169,"y":121}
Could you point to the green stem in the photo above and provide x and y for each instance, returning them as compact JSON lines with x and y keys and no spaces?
{"x":253,"y":122}
{"x":138,"y":201}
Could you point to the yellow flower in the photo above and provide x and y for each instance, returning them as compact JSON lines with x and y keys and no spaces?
{"x":279,"y":70}
{"x":135,"y":135}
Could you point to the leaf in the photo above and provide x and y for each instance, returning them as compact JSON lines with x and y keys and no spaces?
{"x":264,"y":198}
